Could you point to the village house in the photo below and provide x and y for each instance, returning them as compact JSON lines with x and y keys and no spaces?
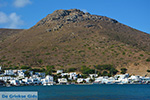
{"x":80,"y":80}
{"x":40,"y":74}
{"x":92,"y":76}
{"x":8,"y":72}
{"x":48,"y":80}
{"x":62,"y":81}
{"x":73,"y":76}
{"x":59,"y":71}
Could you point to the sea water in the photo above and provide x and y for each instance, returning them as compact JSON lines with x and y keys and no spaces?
{"x":87,"y":92}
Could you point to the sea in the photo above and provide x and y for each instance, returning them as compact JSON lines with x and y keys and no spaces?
{"x":87,"y":92}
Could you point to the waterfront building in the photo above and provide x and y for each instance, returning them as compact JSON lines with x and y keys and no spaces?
{"x":73,"y":76}
{"x":80,"y":80}
{"x":14,"y":82}
{"x":62,"y":81}
{"x":48,"y":80}
{"x":92,"y":76}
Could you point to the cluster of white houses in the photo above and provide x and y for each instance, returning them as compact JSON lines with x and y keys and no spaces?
{"x":18,"y":77}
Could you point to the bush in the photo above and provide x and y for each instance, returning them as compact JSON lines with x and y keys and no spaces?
{"x":123,"y":70}
{"x":37,"y":70}
{"x":47,"y":53}
{"x":105,"y":73}
{"x":40,"y":61}
{"x":108,"y":67}
{"x":27,"y":73}
{"x":104,"y":67}
{"x":25,"y":67}
{"x":86,"y":70}
{"x":148,"y":59}
{"x":49,"y":69}
{"x":16,"y":67}
{"x":72,"y":69}
{"x":113,"y":71}
{"x":148,"y":70}
{"x":141,"y":55}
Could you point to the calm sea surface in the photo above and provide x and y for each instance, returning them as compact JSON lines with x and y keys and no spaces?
{"x":87,"y":92}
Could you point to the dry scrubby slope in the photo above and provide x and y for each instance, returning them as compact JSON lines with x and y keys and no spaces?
{"x":4,"y":33}
{"x":72,"y":38}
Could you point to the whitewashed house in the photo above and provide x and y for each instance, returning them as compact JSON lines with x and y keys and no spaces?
{"x":93,"y":75}
{"x":87,"y":80}
{"x":5,"y":78}
{"x":59,"y":71}
{"x":134,"y":79}
{"x":48,"y":80}
{"x":14,"y":82}
{"x":101,"y":79}
{"x":21,"y":75}
{"x":27,"y":80}
{"x":8,"y":72}
{"x":121,"y":76}
{"x":80,"y":80}
{"x":98,"y":79}
{"x":40,"y":74}
{"x":110,"y":80}
{"x":62,"y":81}
{"x":64,"y":74}
{"x":35,"y":79}
{"x":73,"y":76}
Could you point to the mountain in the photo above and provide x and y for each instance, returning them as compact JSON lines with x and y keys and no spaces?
{"x":4,"y":33}
{"x":72,"y":38}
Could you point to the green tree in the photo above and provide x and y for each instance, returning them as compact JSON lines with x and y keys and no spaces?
{"x":148,"y":70}
{"x":86,"y":70}
{"x":25,"y":67}
{"x":49,"y":69}
{"x":105,"y":73}
{"x":27,"y":73}
{"x":40,"y":61}
{"x":72,"y":69}
{"x":123,"y":70}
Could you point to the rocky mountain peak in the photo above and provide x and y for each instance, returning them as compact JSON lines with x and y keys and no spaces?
{"x":72,"y":15}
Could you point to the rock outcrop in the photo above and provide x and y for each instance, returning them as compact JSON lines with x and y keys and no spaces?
{"x":73,"y":15}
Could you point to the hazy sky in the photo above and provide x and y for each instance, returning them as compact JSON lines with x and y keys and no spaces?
{"x":26,"y":13}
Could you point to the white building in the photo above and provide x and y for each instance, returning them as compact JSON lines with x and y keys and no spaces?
{"x":121,"y":76}
{"x":73,"y":76}
{"x":8,"y":72}
{"x":80,"y":80}
{"x":27,"y":80}
{"x":40,"y":74}
{"x":87,"y":79}
{"x":62,"y":81}
{"x":134,"y":78}
{"x":14,"y":82}
{"x":48,"y":80}
{"x":5,"y":78}
{"x":93,"y":75}
{"x":98,"y":79}
{"x":64,"y":74}
{"x":21,"y":75}
{"x":59,"y":71}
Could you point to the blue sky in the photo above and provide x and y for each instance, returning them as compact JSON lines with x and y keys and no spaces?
{"x":26,"y":13}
